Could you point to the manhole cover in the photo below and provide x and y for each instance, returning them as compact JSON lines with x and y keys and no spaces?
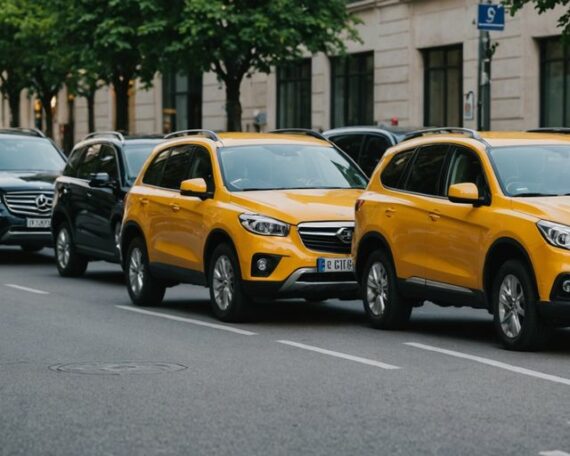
{"x":118,"y":368}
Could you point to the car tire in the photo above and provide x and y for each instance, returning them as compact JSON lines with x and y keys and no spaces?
{"x":229,"y":301}
{"x":515,"y":312}
{"x":31,"y":248}
{"x":69,"y":263}
{"x":144,"y":289}
{"x":384,"y":305}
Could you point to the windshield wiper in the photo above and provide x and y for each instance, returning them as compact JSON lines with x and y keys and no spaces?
{"x":531,"y":194}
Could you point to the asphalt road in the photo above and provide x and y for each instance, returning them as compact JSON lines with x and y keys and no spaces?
{"x":82,"y":372}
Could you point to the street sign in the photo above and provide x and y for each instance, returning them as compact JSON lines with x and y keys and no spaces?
{"x":491,"y":17}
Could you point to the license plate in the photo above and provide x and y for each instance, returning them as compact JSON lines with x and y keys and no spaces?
{"x":334,"y":265}
{"x":38,"y":223}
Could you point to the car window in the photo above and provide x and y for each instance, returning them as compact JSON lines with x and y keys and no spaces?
{"x":393,"y":174}
{"x":90,"y":162}
{"x":202,"y":167}
{"x":136,"y":155}
{"x":465,"y":167}
{"x":154,"y":171}
{"x":350,"y":144}
{"x":29,"y":154}
{"x":426,"y":170}
{"x":372,"y":152}
{"x":73,"y":162}
{"x":108,"y":162}
{"x":177,"y":167}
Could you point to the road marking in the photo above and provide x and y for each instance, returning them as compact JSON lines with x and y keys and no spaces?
{"x":29,"y":290}
{"x":553,"y":453}
{"x":243,"y":332}
{"x":493,"y":363}
{"x":357,"y":359}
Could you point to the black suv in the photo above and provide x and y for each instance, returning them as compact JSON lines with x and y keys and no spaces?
{"x":29,"y":164}
{"x":366,"y":145}
{"x":88,"y":204}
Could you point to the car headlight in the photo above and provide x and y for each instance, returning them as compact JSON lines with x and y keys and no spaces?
{"x":266,"y":226}
{"x":556,"y":234}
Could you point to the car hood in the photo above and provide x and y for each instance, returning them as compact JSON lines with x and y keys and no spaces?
{"x":297,"y":206}
{"x":555,"y":209}
{"x":26,"y":180}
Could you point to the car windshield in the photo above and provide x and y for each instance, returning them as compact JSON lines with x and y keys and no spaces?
{"x":136,"y":155}
{"x":281,"y":167}
{"x":29,"y":154}
{"x":533,"y":170}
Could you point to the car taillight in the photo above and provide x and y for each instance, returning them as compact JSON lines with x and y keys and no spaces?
{"x":358,"y":205}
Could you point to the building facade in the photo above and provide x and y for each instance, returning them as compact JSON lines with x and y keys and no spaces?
{"x":417,"y":64}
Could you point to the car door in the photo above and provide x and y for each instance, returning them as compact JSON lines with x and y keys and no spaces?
{"x":412,"y":211}
{"x":102,"y":200}
{"x":190,"y":227}
{"x":84,"y":234}
{"x":68,"y":189}
{"x":372,"y":151}
{"x":164,"y":208}
{"x":458,"y":233}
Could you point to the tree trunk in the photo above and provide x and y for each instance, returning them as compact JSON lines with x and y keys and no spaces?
{"x":233,"y":103}
{"x":14,"y":103}
{"x":91,"y":112}
{"x":46,"y":106}
{"x":121,"y":87}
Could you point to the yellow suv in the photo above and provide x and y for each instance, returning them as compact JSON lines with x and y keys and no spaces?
{"x":248,"y":215}
{"x":467,"y":219}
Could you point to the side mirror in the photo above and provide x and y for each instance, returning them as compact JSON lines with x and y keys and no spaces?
{"x":196,"y":188}
{"x":100,"y":180}
{"x":466,"y":193}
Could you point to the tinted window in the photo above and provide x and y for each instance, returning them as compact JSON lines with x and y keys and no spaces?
{"x":73,"y":163}
{"x":90,"y":162}
{"x":350,"y":144}
{"x":136,"y":155}
{"x":108,"y":162}
{"x":154,"y":170}
{"x":465,"y":167}
{"x":426,"y":170}
{"x":372,"y":153}
{"x":202,"y":167}
{"x":29,"y":154}
{"x":393,"y":175}
{"x":177,"y":167}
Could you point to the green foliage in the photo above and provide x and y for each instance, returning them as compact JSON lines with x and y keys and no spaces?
{"x":542,"y":6}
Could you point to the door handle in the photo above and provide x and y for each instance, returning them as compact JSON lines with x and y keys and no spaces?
{"x":143,"y":201}
{"x":174,"y":207}
{"x":434,"y":216}
{"x":89,"y":195}
{"x":390,"y":212}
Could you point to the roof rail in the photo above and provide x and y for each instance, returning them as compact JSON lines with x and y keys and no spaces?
{"x":560,"y":130}
{"x":442,"y":131}
{"x":207,"y":133}
{"x":23,"y":131}
{"x":301,"y":131}
{"x":97,"y":134}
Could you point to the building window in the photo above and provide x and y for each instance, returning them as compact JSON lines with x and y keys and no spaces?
{"x":352,"y":90}
{"x":443,"y":96}
{"x":555,"y":84}
{"x":294,"y":95}
{"x":181,"y":101}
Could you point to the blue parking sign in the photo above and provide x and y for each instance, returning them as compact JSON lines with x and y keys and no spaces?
{"x":491,"y":17}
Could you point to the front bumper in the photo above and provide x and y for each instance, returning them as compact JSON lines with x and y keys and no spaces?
{"x":13,"y":231}
{"x":307,"y":283}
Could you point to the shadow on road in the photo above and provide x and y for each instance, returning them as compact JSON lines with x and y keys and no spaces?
{"x":17,"y":257}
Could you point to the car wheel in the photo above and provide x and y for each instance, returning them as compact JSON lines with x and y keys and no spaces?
{"x":144,"y":289}
{"x":69,"y":262}
{"x":229,"y":300}
{"x":31,"y":248}
{"x":383,"y":303}
{"x":515,"y":312}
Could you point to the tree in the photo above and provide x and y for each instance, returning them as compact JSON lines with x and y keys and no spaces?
{"x":123,"y":40}
{"x":543,"y":6}
{"x":234,"y":38}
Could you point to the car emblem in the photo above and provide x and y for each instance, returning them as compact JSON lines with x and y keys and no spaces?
{"x":345,"y":235}
{"x":41,"y":202}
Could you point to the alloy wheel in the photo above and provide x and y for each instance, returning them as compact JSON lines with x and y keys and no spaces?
{"x":377,"y":289}
{"x":63,"y":248}
{"x":223,"y":282}
{"x":136,"y":271}
{"x":511,"y":306}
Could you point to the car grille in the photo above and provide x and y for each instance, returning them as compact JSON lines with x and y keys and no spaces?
{"x":331,"y":237}
{"x":34,"y":203}
{"x":321,"y":277}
